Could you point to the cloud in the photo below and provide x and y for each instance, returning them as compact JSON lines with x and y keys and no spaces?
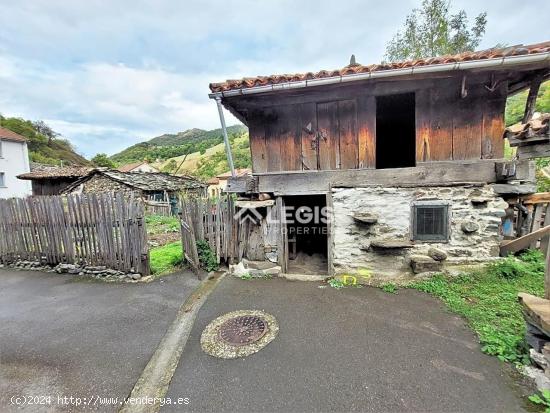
{"x":109,"y":74}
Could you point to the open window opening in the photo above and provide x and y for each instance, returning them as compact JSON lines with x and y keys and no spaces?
{"x":395,"y":131}
{"x":307,"y":234}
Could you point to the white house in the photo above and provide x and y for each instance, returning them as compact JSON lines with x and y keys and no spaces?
{"x":14,"y":160}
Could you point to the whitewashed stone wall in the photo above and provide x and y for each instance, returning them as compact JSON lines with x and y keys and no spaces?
{"x":477,"y":208}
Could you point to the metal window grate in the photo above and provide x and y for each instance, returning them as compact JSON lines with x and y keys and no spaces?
{"x":431,"y":222}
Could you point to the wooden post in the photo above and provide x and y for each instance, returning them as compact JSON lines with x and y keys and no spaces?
{"x":532,"y":98}
{"x":547,"y":274}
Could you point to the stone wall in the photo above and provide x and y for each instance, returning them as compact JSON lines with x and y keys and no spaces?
{"x":372,"y":227}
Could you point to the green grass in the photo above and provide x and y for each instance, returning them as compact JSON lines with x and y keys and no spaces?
{"x":166,"y":259}
{"x":488,"y":301}
{"x":157,"y":224}
{"x":389,"y":288}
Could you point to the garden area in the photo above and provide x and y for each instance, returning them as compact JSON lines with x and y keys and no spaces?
{"x":166,"y":252}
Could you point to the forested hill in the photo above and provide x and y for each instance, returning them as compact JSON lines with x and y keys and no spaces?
{"x":172,"y":145}
{"x":44,"y":144}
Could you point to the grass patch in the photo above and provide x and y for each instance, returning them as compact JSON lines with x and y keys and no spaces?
{"x":488,"y":301}
{"x":158,"y":224}
{"x":166,"y":258}
{"x":389,"y":288}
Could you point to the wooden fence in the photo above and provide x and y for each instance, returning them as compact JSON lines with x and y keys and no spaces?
{"x":212,"y":220}
{"x":93,"y":229}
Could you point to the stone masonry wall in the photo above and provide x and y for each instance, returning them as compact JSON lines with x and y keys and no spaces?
{"x":366,"y":220}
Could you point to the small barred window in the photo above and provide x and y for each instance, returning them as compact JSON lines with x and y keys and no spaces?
{"x":430,"y":221}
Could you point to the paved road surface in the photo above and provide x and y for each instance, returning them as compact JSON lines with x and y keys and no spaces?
{"x":69,"y":336}
{"x":348,"y":350}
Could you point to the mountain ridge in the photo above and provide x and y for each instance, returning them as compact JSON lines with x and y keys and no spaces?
{"x":170,"y":145}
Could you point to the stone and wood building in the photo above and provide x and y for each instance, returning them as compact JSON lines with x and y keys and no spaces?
{"x":52,"y":180}
{"x":407,"y":158}
{"x":149,"y":186}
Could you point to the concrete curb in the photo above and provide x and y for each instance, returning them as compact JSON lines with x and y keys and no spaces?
{"x":155,"y":378}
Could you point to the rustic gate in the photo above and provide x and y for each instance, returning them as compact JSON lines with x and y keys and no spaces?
{"x":188,"y":237}
{"x":212,"y":220}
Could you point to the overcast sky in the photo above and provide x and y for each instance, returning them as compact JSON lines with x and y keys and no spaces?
{"x":108,"y":74}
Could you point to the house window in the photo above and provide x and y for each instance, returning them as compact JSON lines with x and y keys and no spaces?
{"x":430,"y":221}
{"x":395,"y":131}
{"x":2,"y":179}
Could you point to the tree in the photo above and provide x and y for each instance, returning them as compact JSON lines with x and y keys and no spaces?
{"x":41,"y":127}
{"x":433,"y":31}
{"x":101,"y":160}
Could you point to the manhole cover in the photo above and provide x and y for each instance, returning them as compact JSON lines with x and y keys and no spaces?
{"x":239,"y":334}
{"x":242,"y":330}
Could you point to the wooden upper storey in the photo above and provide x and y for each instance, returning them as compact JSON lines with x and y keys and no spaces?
{"x":456,"y":116}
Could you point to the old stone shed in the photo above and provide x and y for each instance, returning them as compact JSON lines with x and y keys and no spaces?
{"x":407,"y":158}
{"x":149,"y":186}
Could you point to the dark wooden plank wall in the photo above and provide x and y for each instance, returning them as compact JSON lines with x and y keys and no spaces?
{"x":448,"y":127}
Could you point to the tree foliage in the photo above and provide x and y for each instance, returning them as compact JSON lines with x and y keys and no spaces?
{"x":432,"y":31}
{"x":44,"y":144}
{"x":102,"y":160}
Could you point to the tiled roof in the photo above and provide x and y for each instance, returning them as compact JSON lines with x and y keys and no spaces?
{"x":146,"y":181}
{"x":11,"y":136}
{"x":41,"y":171}
{"x":538,"y":126}
{"x":358,"y":68}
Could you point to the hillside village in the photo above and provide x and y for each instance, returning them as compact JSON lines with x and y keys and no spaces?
{"x":365,"y":235}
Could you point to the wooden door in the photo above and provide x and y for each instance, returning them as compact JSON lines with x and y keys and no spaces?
{"x":337,"y":140}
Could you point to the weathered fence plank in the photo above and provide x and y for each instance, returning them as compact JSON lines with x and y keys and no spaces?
{"x":95,"y":229}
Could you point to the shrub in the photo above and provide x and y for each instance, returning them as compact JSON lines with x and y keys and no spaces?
{"x":207,"y":258}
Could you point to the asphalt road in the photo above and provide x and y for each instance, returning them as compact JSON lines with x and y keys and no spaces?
{"x":347,"y":350}
{"x":61,"y":335}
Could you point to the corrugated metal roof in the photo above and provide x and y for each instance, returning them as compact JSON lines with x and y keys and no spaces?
{"x":358,"y":68}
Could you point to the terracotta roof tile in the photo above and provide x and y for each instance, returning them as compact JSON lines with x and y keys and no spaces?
{"x":357,"y":68}
{"x":11,"y":136}
{"x":539,"y":125}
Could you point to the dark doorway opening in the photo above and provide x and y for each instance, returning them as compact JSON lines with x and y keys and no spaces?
{"x":307,"y":234}
{"x":395,"y":131}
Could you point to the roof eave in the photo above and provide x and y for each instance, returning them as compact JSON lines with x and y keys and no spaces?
{"x":493,"y":63}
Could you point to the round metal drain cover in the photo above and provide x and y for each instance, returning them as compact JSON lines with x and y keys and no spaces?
{"x":239,"y":333}
{"x":242,"y":330}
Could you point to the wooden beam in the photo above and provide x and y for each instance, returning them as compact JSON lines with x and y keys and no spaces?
{"x":532,"y":97}
{"x":524,"y":242}
{"x":424,"y":174}
{"x":538,"y":150}
{"x":538,"y":198}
